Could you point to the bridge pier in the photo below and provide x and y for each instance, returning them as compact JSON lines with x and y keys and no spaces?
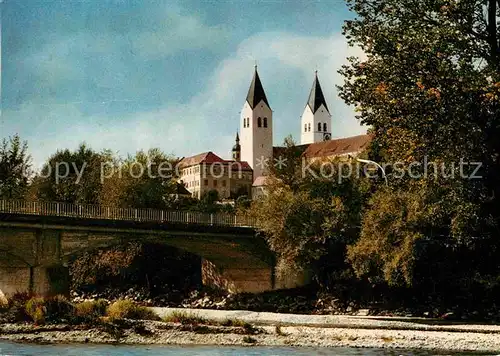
{"x":30,"y":262}
{"x":50,"y":281}
{"x":14,"y":279}
{"x":40,"y":281}
{"x":238,"y":279}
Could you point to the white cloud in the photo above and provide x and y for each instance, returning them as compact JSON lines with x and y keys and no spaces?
{"x":176,"y":33}
{"x":210,"y":118}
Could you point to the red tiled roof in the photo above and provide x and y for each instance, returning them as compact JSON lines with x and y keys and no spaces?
{"x":206,"y":157}
{"x":209,"y":158}
{"x":235,"y":165}
{"x":329,"y":148}
{"x":337,"y":147}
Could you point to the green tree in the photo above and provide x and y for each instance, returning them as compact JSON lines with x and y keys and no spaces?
{"x":147,"y":180}
{"x":429,"y":88}
{"x":308,"y":220}
{"x":15,"y":166}
{"x":289,"y":172}
{"x":71,"y":177}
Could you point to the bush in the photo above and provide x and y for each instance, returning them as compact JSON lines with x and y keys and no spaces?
{"x":90,"y":310}
{"x":53,"y":309}
{"x":14,"y":310}
{"x":36,"y":310}
{"x":19,"y":299}
{"x":126,"y":309}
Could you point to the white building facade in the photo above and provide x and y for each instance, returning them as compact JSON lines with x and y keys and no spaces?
{"x":316,"y":118}
{"x":256,"y":128}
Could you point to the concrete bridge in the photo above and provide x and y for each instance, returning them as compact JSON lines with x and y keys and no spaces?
{"x":38,"y":238}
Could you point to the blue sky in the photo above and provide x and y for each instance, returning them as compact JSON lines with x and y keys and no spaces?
{"x":129,"y":75}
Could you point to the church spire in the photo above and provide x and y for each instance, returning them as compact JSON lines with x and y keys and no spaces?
{"x":256,"y":91}
{"x":316,"y":97}
{"x":237,"y":149}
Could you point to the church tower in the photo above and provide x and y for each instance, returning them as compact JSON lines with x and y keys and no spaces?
{"x":236,"y":152}
{"x":316,"y":119}
{"x":257,"y":128}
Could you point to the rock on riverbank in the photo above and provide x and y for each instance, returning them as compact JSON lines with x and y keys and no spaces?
{"x":299,"y":301}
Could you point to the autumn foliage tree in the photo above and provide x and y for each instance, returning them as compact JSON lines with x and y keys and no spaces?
{"x":429,"y":88}
{"x":307,"y":219}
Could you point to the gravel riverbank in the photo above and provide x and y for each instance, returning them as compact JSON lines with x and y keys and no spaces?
{"x":273,"y":329}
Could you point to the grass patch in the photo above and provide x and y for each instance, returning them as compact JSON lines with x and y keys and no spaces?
{"x":186,"y":319}
{"x":114,"y":319}
{"x":89,"y":311}
{"x":198,"y":324}
{"x":126,"y":309}
{"x":233,"y":322}
{"x":387,"y":339}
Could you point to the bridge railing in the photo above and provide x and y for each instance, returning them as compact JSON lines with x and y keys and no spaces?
{"x":112,"y":213}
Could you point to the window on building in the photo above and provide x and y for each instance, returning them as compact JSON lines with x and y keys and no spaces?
{"x":309,"y":127}
{"x":206,"y":182}
{"x":305,"y":127}
{"x":265,"y":122}
{"x":259,"y":122}
{"x":325,"y":128}
{"x":215,"y":183}
{"x":244,"y":122}
{"x":319,"y":126}
{"x":248,"y":122}
{"x":224,"y":183}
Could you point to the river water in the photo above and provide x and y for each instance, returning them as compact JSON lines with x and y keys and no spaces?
{"x":19,"y":349}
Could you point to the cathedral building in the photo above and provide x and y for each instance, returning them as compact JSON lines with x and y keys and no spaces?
{"x":316,"y":118}
{"x":254,"y":152}
{"x":256,"y":127}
